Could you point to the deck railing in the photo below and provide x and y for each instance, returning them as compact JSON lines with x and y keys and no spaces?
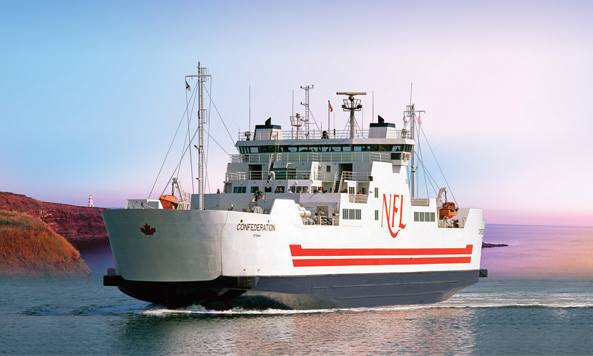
{"x":358,"y":198}
{"x":340,"y":157}
{"x":321,"y":135}
{"x":293,"y":174}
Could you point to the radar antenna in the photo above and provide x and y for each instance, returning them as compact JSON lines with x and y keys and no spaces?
{"x":351,"y":104}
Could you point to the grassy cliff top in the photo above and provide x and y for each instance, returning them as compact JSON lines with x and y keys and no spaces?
{"x":28,"y":247}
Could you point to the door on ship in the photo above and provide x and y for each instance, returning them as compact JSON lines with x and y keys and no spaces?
{"x":342,"y":167}
{"x":255,"y":171}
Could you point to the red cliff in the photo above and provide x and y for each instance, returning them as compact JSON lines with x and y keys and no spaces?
{"x":76,"y":223}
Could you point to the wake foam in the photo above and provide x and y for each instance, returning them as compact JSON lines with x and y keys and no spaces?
{"x":201,"y":311}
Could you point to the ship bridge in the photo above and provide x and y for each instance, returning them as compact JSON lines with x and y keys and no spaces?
{"x":315,"y":169}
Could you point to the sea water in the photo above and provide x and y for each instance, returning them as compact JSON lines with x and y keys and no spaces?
{"x":529,"y":312}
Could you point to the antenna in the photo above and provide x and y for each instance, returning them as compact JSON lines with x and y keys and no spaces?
{"x":296,"y":121}
{"x":373,"y":106}
{"x":249,"y":127}
{"x":351,"y":104}
{"x":306,"y":88}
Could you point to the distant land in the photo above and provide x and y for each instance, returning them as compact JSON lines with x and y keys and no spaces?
{"x":36,"y":237}
{"x":491,"y":245}
{"x":28,"y":247}
{"x":75,"y":223}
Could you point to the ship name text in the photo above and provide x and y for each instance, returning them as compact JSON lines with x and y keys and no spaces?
{"x":255,"y":227}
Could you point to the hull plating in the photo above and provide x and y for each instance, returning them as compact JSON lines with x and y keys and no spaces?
{"x":305,"y":292}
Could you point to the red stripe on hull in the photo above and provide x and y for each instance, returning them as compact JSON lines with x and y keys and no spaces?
{"x":378,"y":261}
{"x":298,"y":251}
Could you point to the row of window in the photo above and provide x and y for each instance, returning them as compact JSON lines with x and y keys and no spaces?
{"x":351,"y":214}
{"x":424,"y":216}
{"x":279,"y":189}
{"x":326,"y":148}
{"x":239,"y":189}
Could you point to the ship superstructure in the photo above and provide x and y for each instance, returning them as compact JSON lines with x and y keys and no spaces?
{"x":306,"y":218}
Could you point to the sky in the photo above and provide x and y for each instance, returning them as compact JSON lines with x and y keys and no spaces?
{"x":92,"y":92}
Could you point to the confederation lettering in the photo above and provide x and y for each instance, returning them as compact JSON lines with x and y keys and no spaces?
{"x":255,"y":227}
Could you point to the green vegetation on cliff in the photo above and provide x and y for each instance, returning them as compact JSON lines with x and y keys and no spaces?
{"x":28,"y":247}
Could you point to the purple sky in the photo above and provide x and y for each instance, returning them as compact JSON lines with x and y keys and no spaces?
{"x":91,"y":93}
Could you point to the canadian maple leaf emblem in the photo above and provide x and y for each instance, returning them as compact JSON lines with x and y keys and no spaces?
{"x":147,"y":230}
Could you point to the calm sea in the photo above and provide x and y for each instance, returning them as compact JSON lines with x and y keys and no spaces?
{"x":529,"y":305}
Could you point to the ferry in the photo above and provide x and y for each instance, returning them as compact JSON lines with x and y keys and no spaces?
{"x":306,"y":218}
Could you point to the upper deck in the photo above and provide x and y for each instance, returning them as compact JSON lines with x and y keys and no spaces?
{"x":269,"y":138}
{"x":325,"y":135}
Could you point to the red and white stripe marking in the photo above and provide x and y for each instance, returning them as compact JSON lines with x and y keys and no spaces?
{"x":301,"y":257}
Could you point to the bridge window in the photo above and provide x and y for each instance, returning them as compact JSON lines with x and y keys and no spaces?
{"x":239,"y":189}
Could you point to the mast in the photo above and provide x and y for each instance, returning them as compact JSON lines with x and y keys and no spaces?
{"x":351,"y":104}
{"x":410,"y":116}
{"x":413,"y":158}
{"x":306,"y":88}
{"x":202,"y":76}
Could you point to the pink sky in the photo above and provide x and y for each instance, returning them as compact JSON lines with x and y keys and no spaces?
{"x":506,"y":85}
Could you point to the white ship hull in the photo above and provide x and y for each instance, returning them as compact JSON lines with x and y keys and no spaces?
{"x":214,"y":256}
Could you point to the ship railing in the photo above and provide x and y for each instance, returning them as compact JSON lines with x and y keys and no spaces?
{"x":294,"y":174}
{"x":339,"y":157}
{"x":356,"y":176}
{"x":358,"y":198}
{"x":320,"y":135}
{"x":267,"y":175}
{"x":301,"y":135}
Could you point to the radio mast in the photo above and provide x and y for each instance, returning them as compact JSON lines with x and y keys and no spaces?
{"x":410,"y":116}
{"x":306,"y":88}
{"x":202,"y":76}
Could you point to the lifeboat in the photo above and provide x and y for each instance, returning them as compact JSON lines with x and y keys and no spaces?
{"x":448,"y":210}
{"x":169,"y":201}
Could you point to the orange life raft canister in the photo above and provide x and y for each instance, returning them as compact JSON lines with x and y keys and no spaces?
{"x":448,"y":210}
{"x":169,"y":201}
